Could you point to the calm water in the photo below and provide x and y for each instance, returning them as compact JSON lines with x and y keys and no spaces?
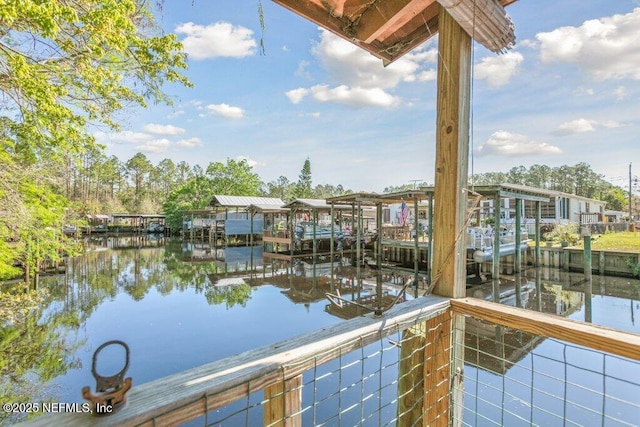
{"x":177,"y":307}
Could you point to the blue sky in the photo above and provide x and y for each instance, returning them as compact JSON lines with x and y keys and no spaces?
{"x":568,"y":92}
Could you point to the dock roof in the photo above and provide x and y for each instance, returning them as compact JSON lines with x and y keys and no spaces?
{"x":390,"y":28}
{"x":244,"y":201}
{"x":313,"y":204}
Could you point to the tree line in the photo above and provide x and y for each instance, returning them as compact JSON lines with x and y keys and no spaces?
{"x":67,"y":68}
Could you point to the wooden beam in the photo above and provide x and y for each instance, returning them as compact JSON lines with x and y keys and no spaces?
{"x":449,"y":217}
{"x":283,"y":403}
{"x":452,"y":157}
{"x":387,"y":17}
{"x":437,"y":356}
{"x":547,"y":325}
{"x":411,"y":375}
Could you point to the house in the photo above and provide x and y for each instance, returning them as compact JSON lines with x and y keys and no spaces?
{"x":561,"y":208}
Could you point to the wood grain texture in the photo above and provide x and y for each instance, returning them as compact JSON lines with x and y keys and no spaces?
{"x":595,"y":337}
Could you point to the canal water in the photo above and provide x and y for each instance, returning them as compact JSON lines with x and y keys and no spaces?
{"x":179,"y":305}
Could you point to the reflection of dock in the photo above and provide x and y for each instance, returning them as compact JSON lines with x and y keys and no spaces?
{"x":497,"y":348}
{"x":363,"y":305}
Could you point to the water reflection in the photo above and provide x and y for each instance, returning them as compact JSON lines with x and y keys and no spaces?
{"x":183,"y":304}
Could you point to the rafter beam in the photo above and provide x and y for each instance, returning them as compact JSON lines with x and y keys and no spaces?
{"x":386,"y":17}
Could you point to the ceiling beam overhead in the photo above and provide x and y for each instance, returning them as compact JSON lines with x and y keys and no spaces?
{"x":384,"y":18}
{"x":390,"y":28}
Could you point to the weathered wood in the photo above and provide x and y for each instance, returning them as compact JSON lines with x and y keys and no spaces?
{"x":411,"y":375}
{"x":387,"y":17}
{"x":452,"y":157}
{"x":547,"y":325}
{"x":450,"y":210}
{"x":218,"y":383}
{"x":283,"y":403}
{"x":437,"y":366}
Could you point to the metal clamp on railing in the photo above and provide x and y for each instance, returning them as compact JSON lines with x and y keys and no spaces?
{"x":112,"y":389}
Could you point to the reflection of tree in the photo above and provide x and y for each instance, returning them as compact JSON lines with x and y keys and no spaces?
{"x":35,"y":348}
{"x":566,"y":301}
{"x":37,"y":344}
{"x":231,"y":295}
{"x":103,"y":274}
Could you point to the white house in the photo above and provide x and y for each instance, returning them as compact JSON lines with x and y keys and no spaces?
{"x":560,"y":209}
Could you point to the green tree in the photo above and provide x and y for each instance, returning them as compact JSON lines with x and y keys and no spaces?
{"x":236,"y":178}
{"x":281,"y":188}
{"x":303,"y":187}
{"x":617,"y":199}
{"x":63,"y":66}
{"x":138,"y":168}
{"x":194,"y":194}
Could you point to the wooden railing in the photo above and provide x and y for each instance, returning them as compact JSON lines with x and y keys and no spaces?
{"x":277,"y":369}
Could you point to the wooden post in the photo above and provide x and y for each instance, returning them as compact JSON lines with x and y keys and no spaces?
{"x":538,"y":234}
{"x":518,"y":255}
{"x":283,"y":404}
{"x":601,"y":263}
{"x":587,"y":253}
{"x":416,"y":253}
{"x":314,"y":212}
{"x":452,"y":156}
{"x":410,"y":376}
{"x":430,"y":244}
{"x":450,"y":211}
{"x":495,"y":264}
{"x":437,"y":370}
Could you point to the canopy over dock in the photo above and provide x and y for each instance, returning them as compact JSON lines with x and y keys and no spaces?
{"x":390,"y":28}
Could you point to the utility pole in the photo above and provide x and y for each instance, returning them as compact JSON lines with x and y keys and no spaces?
{"x":629,"y":193}
{"x":415,"y":181}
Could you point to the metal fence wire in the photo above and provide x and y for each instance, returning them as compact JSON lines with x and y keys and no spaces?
{"x":428,"y":361}
{"x":514,"y":378}
{"x":511,"y":378}
{"x":374,"y":385}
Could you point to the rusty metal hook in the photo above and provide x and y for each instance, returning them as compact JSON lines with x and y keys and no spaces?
{"x":112,"y":388}
{"x":104,"y":384}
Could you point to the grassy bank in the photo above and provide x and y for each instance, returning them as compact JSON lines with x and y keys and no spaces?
{"x":624,"y":241}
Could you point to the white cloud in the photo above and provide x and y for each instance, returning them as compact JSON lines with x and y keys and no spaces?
{"x":354,"y":97}
{"x":154,"y":146}
{"x":296,"y":95}
{"x":359,"y":79}
{"x":175,"y":114}
{"x":621,"y":92}
{"x":162,"y":129}
{"x":507,"y":144}
{"x":584,"y":91}
{"x":125,"y":137}
{"x":611,"y":124}
{"x":217,"y":40}
{"x":608,"y":48}
{"x":350,"y":65}
{"x":189,"y":143}
{"x":226,"y":110}
{"x":498,"y":70}
{"x":583,"y":125}
{"x":428,"y":75}
{"x":576,"y":126}
{"x":303,"y":69}
{"x":249,"y":161}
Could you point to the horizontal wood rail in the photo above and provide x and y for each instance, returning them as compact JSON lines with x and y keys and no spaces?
{"x":180,"y":397}
{"x":595,"y":337}
{"x":190,"y":394}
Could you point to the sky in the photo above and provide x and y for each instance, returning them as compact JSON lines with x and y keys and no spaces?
{"x":567,"y":92}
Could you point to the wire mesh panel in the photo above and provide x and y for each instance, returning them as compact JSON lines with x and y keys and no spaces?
{"x":377,"y":384}
{"x":517,"y":378}
{"x":405,"y":368}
